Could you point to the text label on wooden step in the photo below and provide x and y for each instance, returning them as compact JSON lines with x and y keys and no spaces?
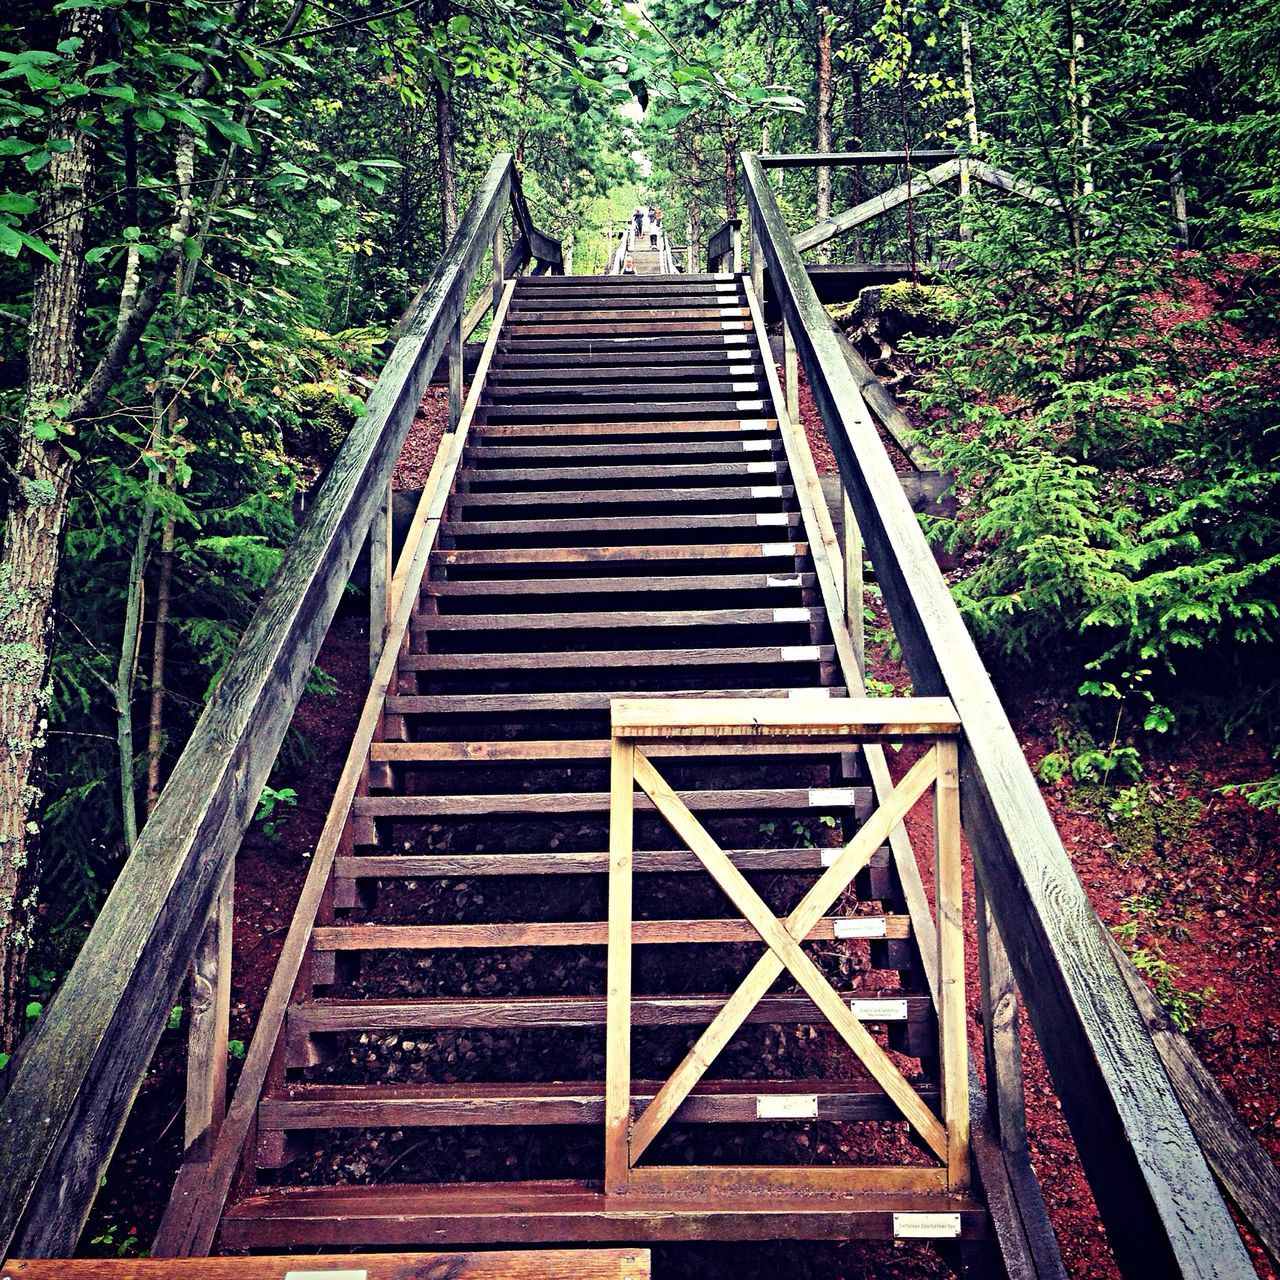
{"x":879,"y":1010}
{"x":926,"y":1226}
{"x":791,"y":615}
{"x":800,"y":652}
{"x":860,"y":926}
{"x":787,"y":1106}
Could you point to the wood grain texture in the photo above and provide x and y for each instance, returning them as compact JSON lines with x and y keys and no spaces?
{"x":1163,"y":1212}
{"x":512,"y":1264}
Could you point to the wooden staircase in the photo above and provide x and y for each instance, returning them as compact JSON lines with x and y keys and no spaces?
{"x":626,"y":514}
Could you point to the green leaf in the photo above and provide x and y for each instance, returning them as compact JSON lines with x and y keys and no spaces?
{"x":327,"y":204}
{"x":149,"y":119}
{"x":15,"y":147}
{"x":12,"y":203}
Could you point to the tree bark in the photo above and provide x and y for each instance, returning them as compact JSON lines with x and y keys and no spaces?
{"x":155,"y":726}
{"x":824,"y":101}
{"x":35,"y":522}
{"x":445,"y":140}
{"x":729,"y":137}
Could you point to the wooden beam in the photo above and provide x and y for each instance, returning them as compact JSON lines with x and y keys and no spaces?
{"x":497,"y":1264}
{"x":838,"y":224}
{"x":1003,"y":180}
{"x":1164,"y":1215}
{"x":875,"y":719}
{"x":812,"y":159}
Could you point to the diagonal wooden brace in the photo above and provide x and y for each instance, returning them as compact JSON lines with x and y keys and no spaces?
{"x":783,"y":940}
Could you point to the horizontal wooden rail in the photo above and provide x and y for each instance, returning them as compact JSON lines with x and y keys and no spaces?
{"x":1163,"y":1213}
{"x":74,"y":1078}
{"x":823,"y":159}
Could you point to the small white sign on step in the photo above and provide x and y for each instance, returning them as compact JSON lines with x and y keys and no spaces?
{"x":771,"y":517}
{"x":744,"y":387}
{"x":799,"y":652}
{"x":809,"y":694}
{"x":348,"y":1273}
{"x":756,"y":446}
{"x":745,"y":406}
{"x":767,"y":491}
{"x":821,"y":797}
{"x":782,"y":580}
{"x":787,"y":1106}
{"x":733,"y":325}
{"x":791,"y":615}
{"x":860,"y":927}
{"x":753,"y":424}
{"x":728,"y":313}
{"x":768,"y":549}
{"x":735,"y":339}
{"x":736,"y":370}
{"x":926,"y":1226}
{"x":879,"y":1010}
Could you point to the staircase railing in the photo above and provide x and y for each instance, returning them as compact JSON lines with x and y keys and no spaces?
{"x":73,"y":1080}
{"x":1163,"y":1213}
{"x":724,"y":249}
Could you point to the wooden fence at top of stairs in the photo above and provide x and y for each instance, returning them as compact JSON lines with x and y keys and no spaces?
{"x":624,"y":521}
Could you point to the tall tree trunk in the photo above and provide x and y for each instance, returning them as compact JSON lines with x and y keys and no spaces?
{"x":155,"y":724}
{"x":34,"y":525}
{"x":729,"y":137}
{"x":824,"y":100}
{"x":445,"y":139}
{"x":857,"y":130}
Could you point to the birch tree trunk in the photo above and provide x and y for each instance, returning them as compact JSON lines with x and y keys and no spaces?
{"x":34,"y":525}
{"x":824,"y":100}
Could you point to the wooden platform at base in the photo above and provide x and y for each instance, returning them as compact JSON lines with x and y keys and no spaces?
{"x":559,"y":1212}
{"x":502,"y":1264}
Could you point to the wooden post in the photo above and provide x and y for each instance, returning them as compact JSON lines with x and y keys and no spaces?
{"x":1002,"y":1043}
{"x":210,"y":1023}
{"x":736,"y":268}
{"x":617,"y":1086}
{"x":455,"y":378}
{"x":499,"y":275}
{"x":688,"y":245}
{"x":380,"y":559}
{"x":790,"y":373}
{"x":953,"y":1046}
{"x":854,"y":596}
{"x":757,"y":259}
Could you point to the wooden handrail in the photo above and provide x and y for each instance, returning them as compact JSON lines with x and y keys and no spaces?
{"x":74,"y":1078}
{"x":1163,"y":1212}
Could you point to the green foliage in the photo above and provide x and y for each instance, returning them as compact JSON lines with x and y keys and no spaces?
{"x":271,"y":806}
{"x":1183,"y":1006}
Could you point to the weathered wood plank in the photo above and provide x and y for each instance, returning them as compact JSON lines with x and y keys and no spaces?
{"x":540,"y":1264}
{"x":837,"y":225}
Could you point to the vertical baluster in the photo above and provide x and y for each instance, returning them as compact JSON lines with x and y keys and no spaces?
{"x":854,"y":595}
{"x":757,"y":259}
{"x":790,"y":373}
{"x":953,"y":1044}
{"x":1001,"y":1040}
{"x":210,"y":1023}
{"x":380,"y":572}
{"x":455,"y":376}
{"x":498,"y":274}
{"x":617,"y":1087}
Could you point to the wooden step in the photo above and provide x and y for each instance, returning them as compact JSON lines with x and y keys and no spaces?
{"x":303,"y":1106}
{"x":749,"y":523}
{"x":780,"y":550}
{"x":800,"y":615}
{"x":818,"y":799}
{"x":435,"y":937}
{"x":627,"y":497}
{"x":407,"y":866}
{"x":549,"y":1212}
{"x":653,"y":410}
{"x":476,"y":591}
{"x":624,"y":451}
{"x":322,"y":1016}
{"x":760,"y":471}
{"x":668,"y":429}
{"x":591,"y":660}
